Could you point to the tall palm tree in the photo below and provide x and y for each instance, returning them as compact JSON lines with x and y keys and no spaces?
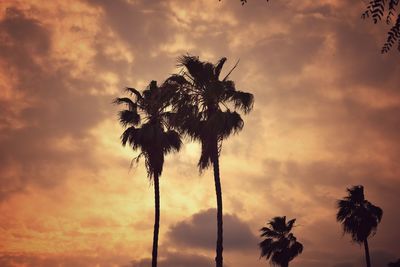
{"x":280,"y":246}
{"x":204,"y":114}
{"x":359,"y":217}
{"x":148,"y":131}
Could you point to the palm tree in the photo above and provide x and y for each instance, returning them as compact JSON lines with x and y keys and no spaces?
{"x":148,"y":131}
{"x":359,"y":217}
{"x":204,"y":115}
{"x":280,"y":246}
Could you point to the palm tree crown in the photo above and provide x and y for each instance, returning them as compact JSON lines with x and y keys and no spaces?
{"x":147,"y":128}
{"x":358,"y":216}
{"x":203,"y":108}
{"x":280,"y":245}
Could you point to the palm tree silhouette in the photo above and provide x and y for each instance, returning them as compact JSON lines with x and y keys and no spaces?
{"x":204,"y":115}
{"x":359,"y":217}
{"x":280,"y":246}
{"x":148,"y":131}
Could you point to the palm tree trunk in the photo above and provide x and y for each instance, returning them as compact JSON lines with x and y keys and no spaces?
{"x":156,"y":221}
{"x":218,"y":191}
{"x":367,"y":253}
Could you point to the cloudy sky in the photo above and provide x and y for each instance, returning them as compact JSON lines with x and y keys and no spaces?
{"x":326,"y":116}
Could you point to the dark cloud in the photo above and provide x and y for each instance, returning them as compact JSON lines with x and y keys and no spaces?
{"x":26,"y":34}
{"x":31,"y":260}
{"x":138,"y":22}
{"x":292,"y":53}
{"x":344,"y":264}
{"x":200,"y":231}
{"x":176,"y":259}
{"x":143,"y":26}
{"x":313,"y":175}
{"x":360,"y":59}
{"x":378,"y":258}
{"x":53,"y":106}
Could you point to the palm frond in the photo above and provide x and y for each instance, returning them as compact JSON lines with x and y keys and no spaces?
{"x":218,"y":67}
{"x":345,"y":209}
{"x":221,"y":124}
{"x":267,"y":232}
{"x":356,"y":194}
{"x":131,"y":136}
{"x":375,"y":211}
{"x":229,"y":73}
{"x":177,"y":79}
{"x":172,"y":141}
{"x":134,"y":92}
{"x":266,"y":247}
{"x":193,"y":65}
{"x":375,"y":9}
{"x":392,"y":37}
{"x":125,"y":100}
{"x":243,"y":101}
{"x":126,"y":135}
{"x":295,"y":250}
{"x":392,"y":8}
{"x":289,"y":225}
{"x":208,"y":152}
{"x":278,"y":224}
{"x":129,"y":117}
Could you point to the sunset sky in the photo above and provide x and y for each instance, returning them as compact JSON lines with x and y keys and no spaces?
{"x":326,"y":117}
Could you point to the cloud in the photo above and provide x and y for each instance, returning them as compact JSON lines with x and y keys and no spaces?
{"x":379,"y":258}
{"x":51,"y":112}
{"x":200,"y":231}
{"x":11,"y":260}
{"x":137,"y":25}
{"x":177,"y":259}
{"x":326,"y":117}
{"x":344,"y":264}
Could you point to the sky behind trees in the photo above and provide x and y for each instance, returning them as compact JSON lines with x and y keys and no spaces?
{"x":326,"y":116}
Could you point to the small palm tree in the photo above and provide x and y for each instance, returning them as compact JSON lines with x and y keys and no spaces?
{"x":147,"y":131}
{"x":204,"y":115}
{"x":280,"y":246}
{"x":359,"y":217}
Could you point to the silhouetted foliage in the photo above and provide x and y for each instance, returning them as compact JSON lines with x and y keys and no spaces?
{"x":359,"y":217}
{"x":148,"y":130}
{"x":280,"y":246}
{"x":376,"y":9}
{"x":203,"y":113}
{"x":394,"y":264}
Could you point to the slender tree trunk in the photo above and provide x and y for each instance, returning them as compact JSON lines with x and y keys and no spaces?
{"x":367,"y":253}
{"x":156,"y":221}
{"x":286,"y":264}
{"x":218,"y":191}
